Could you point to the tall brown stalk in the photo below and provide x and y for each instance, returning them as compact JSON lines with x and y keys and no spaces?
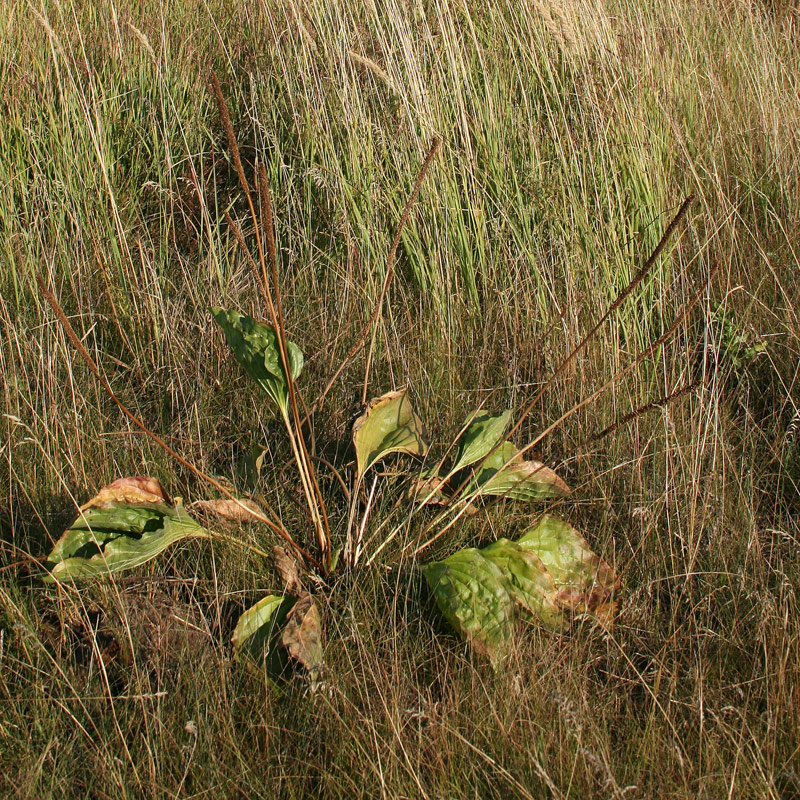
{"x":272,"y":296}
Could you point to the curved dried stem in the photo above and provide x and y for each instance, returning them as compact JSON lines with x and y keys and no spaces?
{"x":666,"y":336}
{"x":626,"y":292}
{"x":293,"y":425}
{"x":372,"y":321}
{"x":393,"y":255}
{"x":653,"y":405}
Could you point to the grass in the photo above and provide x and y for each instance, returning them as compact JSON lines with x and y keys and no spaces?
{"x":571,"y":132}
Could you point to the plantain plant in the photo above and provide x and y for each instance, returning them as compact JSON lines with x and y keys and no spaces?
{"x":547,"y":575}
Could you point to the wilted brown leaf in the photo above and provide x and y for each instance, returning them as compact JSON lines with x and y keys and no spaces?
{"x":230,"y":510}
{"x":302,"y":635}
{"x":289,"y":570}
{"x":428,"y":490}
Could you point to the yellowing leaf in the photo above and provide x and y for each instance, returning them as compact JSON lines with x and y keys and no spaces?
{"x":586,"y":584}
{"x":529,"y":583}
{"x":520,"y":480}
{"x":549,"y":574}
{"x":388,"y":425}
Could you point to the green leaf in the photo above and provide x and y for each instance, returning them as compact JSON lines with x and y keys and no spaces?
{"x":122,"y":527}
{"x":277,"y":629}
{"x":520,"y":480}
{"x":388,"y":425}
{"x":255,"y":346}
{"x":335,"y":559}
{"x":550,"y":574}
{"x":482,"y":434}
{"x":586,"y":584}
{"x":529,"y":582}
{"x":473,"y":594}
{"x":257,"y":633}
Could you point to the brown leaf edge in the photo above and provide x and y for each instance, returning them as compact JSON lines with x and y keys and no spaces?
{"x":133,"y":490}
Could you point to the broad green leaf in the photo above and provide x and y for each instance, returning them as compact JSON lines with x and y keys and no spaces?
{"x":529,"y":582}
{"x":550,"y":574}
{"x":128,"y":523}
{"x":388,"y":425}
{"x":257,"y":634}
{"x":255,"y":346}
{"x":482,"y":434}
{"x":585,"y":583}
{"x":473,"y":594}
{"x":520,"y":480}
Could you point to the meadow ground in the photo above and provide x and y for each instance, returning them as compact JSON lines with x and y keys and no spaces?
{"x":571,"y":132}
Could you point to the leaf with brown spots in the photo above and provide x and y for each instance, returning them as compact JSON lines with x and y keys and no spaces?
{"x":138,"y":489}
{"x":302,"y":634}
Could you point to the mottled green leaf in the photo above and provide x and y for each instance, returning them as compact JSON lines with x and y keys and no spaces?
{"x":388,"y":425}
{"x":585,"y":583}
{"x":528,"y":581}
{"x":124,"y":526}
{"x":480,"y":436}
{"x":520,"y":480}
{"x":550,"y":574}
{"x":255,"y":346}
{"x":473,"y":594}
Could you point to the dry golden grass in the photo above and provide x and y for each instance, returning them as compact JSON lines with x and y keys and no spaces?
{"x":571,"y":132}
